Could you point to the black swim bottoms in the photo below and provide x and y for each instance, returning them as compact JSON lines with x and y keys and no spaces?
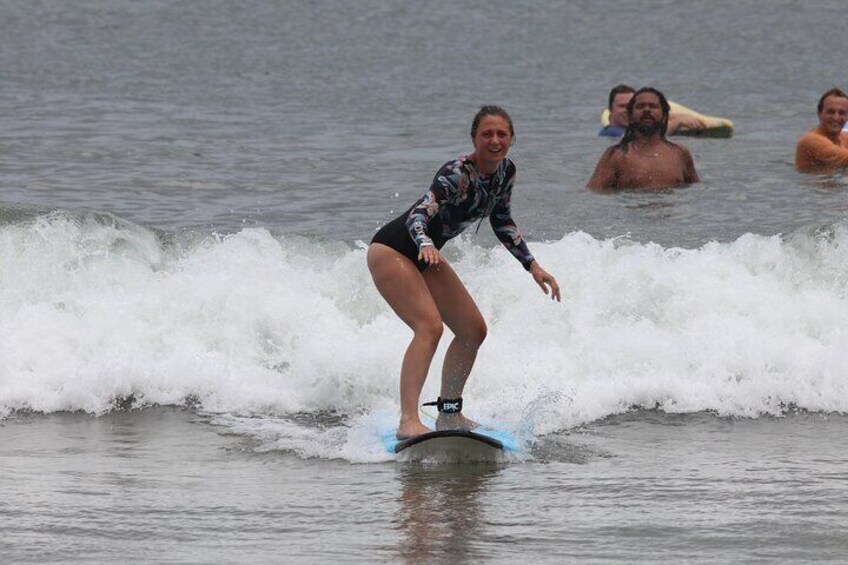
{"x":394,"y":235}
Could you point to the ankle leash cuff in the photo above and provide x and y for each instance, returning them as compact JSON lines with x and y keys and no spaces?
{"x":446,"y":405}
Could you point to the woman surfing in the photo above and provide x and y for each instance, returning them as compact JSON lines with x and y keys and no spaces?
{"x":421,"y":286}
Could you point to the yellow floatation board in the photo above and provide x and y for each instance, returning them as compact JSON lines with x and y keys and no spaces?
{"x":715,"y":126}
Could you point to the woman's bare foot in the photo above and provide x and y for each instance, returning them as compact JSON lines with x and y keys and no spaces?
{"x":411,"y":429}
{"x":455,"y":421}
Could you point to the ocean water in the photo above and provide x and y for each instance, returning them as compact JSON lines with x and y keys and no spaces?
{"x":195,"y":366}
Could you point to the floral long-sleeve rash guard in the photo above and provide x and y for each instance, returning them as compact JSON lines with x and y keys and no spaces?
{"x":461,"y":195}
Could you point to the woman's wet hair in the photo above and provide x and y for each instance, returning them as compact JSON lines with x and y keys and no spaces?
{"x":491,"y":111}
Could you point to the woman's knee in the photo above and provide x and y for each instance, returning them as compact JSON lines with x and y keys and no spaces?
{"x":479,"y":331}
{"x":473,"y":333}
{"x":429,"y":330}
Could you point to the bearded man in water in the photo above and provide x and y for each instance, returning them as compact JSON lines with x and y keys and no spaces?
{"x":645,"y":159}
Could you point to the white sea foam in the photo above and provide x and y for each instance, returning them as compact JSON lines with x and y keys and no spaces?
{"x":252,"y":325}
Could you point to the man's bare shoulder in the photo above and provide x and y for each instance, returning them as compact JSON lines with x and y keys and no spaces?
{"x":679,"y":148}
{"x":612,"y":155}
{"x":812,"y":136}
{"x":614,"y":151}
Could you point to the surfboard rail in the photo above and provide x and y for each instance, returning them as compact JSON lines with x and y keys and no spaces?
{"x":487,"y":438}
{"x":469,"y":434}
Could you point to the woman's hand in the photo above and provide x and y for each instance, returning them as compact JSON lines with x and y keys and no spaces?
{"x":545,"y":280}
{"x":430,"y":255}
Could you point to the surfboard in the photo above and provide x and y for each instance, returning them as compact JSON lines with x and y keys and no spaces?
{"x":715,"y":126}
{"x":479,"y":443}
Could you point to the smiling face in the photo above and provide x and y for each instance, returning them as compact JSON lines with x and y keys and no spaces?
{"x":834,"y":114}
{"x":492,"y":141}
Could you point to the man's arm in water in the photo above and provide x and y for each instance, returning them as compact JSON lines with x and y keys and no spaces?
{"x":678,"y":120}
{"x":690,"y":175}
{"x":815,"y":151}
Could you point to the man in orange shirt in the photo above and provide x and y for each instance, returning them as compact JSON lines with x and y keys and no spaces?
{"x":824,"y":149}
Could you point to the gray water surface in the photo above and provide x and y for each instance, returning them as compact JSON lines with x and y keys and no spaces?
{"x":328,"y":118}
{"x":163,"y":486}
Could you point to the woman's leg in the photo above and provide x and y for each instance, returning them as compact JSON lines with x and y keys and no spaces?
{"x":461,"y":315}
{"x":402,"y":286}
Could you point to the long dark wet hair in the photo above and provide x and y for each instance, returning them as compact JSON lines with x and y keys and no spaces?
{"x":491,"y":111}
{"x":630,"y":132}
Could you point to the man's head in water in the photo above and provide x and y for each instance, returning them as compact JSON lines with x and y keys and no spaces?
{"x":648,"y":112}
{"x":833,"y":112}
{"x":619,"y":97}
